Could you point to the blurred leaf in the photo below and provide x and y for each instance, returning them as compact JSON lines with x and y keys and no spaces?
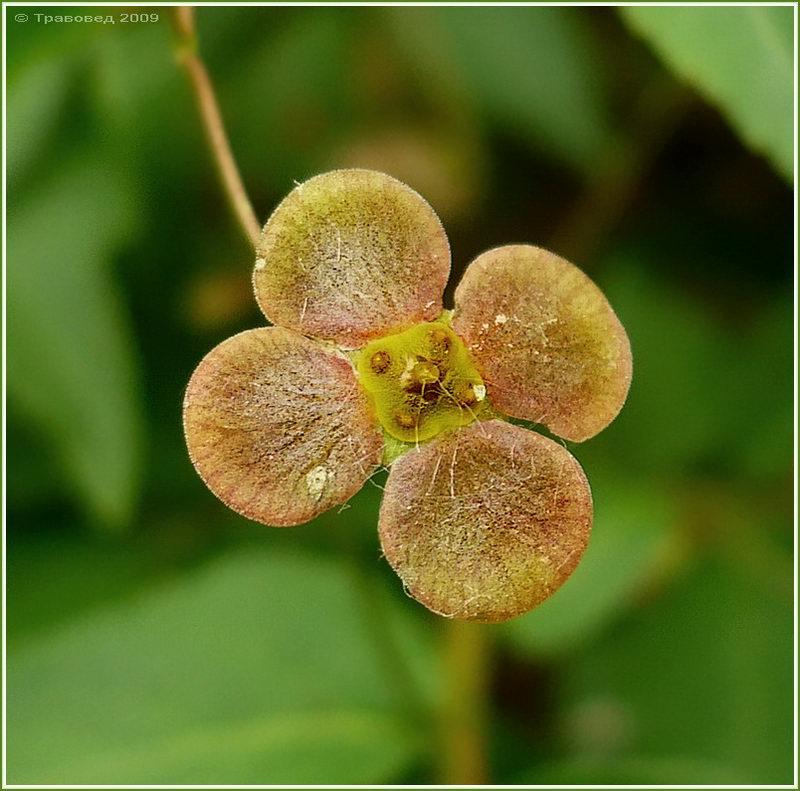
{"x":35,"y":476}
{"x":33,"y":42}
{"x":762,"y":371}
{"x":256,"y":669}
{"x":54,"y":574}
{"x":57,"y":570}
{"x":629,"y":537}
{"x":704,"y":674}
{"x":532,"y":70}
{"x":149,"y":109}
{"x":633,"y":770}
{"x":125,"y":93}
{"x":694,"y":378}
{"x":296,"y":98}
{"x":739,"y":58}
{"x":71,"y":363}
{"x":36,"y":100}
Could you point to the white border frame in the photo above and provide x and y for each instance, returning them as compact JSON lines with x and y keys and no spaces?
{"x":410,"y":4}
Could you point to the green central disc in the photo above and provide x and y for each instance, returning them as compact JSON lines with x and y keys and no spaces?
{"x":422,"y":382}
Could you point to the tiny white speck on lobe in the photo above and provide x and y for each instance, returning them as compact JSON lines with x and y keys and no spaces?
{"x":316,"y":480}
{"x":480,"y":391}
{"x":500,"y":318}
{"x":260,"y":263}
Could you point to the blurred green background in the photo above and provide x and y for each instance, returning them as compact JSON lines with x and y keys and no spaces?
{"x":156,"y":637}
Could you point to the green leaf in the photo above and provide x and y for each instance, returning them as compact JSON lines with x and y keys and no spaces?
{"x":761,"y":369}
{"x":63,"y":41}
{"x":71,"y":364}
{"x":686,"y":400}
{"x":630,"y":535}
{"x":35,"y":100}
{"x":530,"y":70}
{"x":306,"y":747}
{"x":54,"y":573}
{"x":740,"y":59}
{"x":298,"y":98}
{"x":255,"y":669}
{"x":632,"y":770}
{"x":704,"y":673}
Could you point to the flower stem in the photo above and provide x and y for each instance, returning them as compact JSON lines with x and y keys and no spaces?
{"x":186,"y":51}
{"x":465,"y":710}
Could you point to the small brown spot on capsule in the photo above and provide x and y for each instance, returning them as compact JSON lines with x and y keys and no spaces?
{"x":439,"y":337}
{"x":440,"y":343}
{"x":379,"y":362}
{"x":404,"y":420}
{"x":465,"y":394}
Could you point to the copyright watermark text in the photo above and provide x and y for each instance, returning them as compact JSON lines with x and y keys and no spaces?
{"x":93,"y":19}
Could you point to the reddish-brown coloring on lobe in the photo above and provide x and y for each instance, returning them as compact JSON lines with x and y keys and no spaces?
{"x":548,"y":344}
{"x":350,"y":256}
{"x":486,"y":522}
{"x":278,"y":428}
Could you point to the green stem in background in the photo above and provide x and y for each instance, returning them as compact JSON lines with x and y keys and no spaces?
{"x":465,"y":710}
{"x":232,"y":184}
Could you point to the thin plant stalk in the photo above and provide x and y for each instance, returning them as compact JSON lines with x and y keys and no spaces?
{"x":232,"y":184}
{"x":463,"y":759}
